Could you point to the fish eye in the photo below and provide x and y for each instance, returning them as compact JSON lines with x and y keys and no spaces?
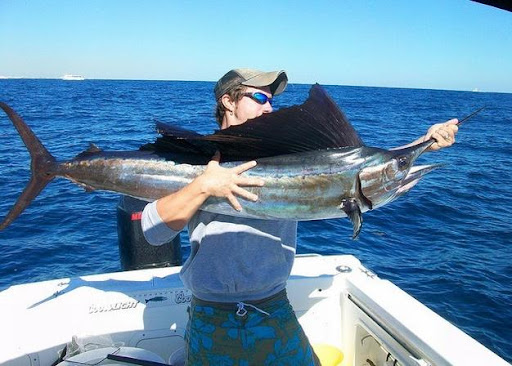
{"x":403,"y":162}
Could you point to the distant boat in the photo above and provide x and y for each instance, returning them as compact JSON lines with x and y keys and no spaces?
{"x":73,"y":77}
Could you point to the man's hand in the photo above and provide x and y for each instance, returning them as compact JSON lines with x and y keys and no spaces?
{"x":443,"y":133}
{"x":228,"y":182}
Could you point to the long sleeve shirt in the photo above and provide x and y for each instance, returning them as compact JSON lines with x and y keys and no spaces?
{"x":232,"y":258}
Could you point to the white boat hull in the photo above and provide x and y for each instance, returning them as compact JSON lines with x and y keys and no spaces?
{"x":73,"y":77}
{"x":338,"y":301}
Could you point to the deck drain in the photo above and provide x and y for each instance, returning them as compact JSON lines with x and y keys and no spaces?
{"x":343,"y":269}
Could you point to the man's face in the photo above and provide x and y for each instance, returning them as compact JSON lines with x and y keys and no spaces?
{"x":247,"y":108}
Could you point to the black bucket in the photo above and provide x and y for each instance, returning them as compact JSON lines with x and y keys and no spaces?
{"x":134,"y":250}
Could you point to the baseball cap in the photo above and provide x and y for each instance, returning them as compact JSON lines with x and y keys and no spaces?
{"x":276,"y":80}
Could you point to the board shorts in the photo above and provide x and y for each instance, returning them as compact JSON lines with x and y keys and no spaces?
{"x":264,"y":332}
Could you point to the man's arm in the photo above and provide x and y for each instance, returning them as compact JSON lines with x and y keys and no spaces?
{"x":177,"y":209}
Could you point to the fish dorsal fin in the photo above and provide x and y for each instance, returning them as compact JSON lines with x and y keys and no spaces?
{"x":177,"y":139}
{"x":93,"y":148}
{"x":316,"y":124}
{"x":166,"y":129}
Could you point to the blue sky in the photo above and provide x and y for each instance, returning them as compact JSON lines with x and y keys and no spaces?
{"x":439,"y":44}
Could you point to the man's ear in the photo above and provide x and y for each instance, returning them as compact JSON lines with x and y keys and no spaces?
{"x":227,"y":102}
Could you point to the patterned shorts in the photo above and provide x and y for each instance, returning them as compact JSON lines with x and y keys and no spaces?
{"x":251,"y":333}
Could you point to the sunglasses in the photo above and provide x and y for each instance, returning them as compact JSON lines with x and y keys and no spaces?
{"x":259,"y":98}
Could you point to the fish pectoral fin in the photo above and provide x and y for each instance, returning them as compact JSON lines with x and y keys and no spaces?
{"x":351,"y":208}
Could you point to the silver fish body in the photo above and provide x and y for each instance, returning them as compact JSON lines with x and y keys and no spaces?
{"x":304,"y":186}
{"x":309,"y":185}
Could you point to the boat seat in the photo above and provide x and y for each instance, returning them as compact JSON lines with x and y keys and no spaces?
{"x":328,"y":355}
{"x":178,"y":357}
{"x":100,"y":356}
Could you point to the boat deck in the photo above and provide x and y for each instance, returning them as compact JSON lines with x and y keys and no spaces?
{"x":339,"y":302}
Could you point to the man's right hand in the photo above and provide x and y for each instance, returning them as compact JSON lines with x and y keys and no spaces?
{"x":228,"y":182}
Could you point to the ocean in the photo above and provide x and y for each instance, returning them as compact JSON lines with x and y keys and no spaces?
{"x":447,"y":242}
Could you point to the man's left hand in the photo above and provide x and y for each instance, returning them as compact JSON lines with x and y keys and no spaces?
{"x":444,"y":134}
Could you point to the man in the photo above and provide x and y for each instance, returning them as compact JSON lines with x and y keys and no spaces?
{"x":238,"y":267}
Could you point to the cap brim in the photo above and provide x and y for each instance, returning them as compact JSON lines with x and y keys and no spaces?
{"x":275,"y":80}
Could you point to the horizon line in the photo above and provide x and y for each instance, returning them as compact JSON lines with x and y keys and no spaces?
{"x":476,"y":90}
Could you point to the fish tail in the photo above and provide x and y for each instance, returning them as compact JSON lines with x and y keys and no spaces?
{"x":43,"y":166}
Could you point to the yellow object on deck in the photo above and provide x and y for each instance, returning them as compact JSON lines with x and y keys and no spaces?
{"x":328,"y":355}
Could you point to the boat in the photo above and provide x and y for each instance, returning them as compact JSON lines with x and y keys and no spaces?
{"x":350,"y":315}
{"x":501,"y":4}
{"x":73,"y":77}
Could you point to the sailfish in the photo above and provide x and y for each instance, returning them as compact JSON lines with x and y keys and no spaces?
{"x":313,"y":163}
